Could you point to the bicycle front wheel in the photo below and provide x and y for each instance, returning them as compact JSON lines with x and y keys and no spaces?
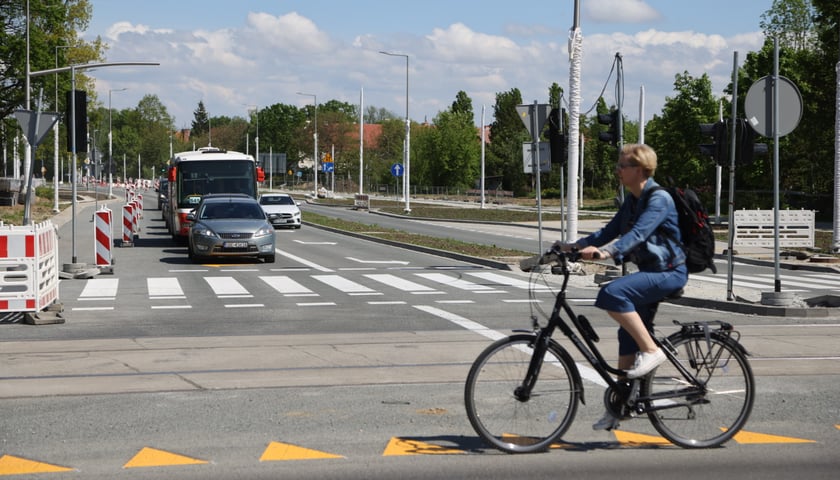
{"x":502,"y":415}
{"x":691,"y":418}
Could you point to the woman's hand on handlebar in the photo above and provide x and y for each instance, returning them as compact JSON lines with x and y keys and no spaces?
{"x":593,"y":253}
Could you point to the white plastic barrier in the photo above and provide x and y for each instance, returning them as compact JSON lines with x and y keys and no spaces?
{"x":28,"y":267}
{"x":755,"y":228}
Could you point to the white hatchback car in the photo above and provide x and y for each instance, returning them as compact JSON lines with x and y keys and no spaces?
{"x":282,"y":209}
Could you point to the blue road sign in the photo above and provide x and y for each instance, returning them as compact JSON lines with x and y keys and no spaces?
{"x":328,"y":167}
{"x":397,"y":170}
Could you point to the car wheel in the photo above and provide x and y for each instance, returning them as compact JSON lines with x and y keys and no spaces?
{"x":297,"y":226}
{"x":192,"y":256}
{"x":268,"y":259}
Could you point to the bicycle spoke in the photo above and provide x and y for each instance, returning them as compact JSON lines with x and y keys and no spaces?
{"x":505,"y":421}
{"x":693,"y":418}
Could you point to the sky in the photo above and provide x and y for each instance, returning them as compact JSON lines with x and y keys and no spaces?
{"x":235,"y":56}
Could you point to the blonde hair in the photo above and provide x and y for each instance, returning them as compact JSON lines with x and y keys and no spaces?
{"x":641,"y":155}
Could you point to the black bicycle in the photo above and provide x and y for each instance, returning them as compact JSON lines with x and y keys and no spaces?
{"x":522,"y":392}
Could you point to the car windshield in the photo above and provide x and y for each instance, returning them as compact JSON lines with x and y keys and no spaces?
{"x":276,"y":200}
{"x":238,"y":210}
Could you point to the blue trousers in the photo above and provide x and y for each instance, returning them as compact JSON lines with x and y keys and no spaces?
{"x":639,"y":291}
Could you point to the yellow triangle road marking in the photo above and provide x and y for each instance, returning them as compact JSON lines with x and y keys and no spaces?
{"x":630,"y":438}
{"x":10,"y":465}
{"x":753,"y":437}
{"x":284,"y":451}
{"x":403,"y":446}
{"x":152,"y":457}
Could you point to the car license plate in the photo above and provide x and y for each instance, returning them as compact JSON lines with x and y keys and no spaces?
{"x":236,"y":245}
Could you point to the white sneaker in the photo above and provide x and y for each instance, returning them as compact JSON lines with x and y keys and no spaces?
{"x":646,"y":362}
{"x":607,"y":422}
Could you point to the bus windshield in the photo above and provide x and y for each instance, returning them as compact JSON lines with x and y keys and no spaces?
{"x":201,"y":177}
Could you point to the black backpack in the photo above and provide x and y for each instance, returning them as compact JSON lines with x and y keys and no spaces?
{"x":698,"y":240}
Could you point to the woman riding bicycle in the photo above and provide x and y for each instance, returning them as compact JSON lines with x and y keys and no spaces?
{"x":649,"y":236}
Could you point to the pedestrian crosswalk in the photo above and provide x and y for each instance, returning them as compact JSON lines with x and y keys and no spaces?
{"x":245,"y":289}
{"x":802,"y":282}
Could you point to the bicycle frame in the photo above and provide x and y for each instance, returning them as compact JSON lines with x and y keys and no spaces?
{"x":586,"y":346}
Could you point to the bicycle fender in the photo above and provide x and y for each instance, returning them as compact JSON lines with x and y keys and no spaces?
{"x":573,"y":369}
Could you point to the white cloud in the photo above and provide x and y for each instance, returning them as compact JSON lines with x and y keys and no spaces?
{"x":120,"y":28}
{"x":620,"y":11}
{"x":291,"y":32}
{"x":458,"y":43}
{"x":267,"y":58}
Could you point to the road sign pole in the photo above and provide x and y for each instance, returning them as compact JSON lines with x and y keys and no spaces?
{"x":535,"y":136}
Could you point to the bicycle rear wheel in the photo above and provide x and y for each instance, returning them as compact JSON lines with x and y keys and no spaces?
{"x":701,"y":420}
{"x":518,"y":425}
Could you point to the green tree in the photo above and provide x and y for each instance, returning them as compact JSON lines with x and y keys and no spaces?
{"x":675,"y":134}
{"x":54,"y":25}
{"x":503,"y":157}
{"x":201,"y":120}
{"x":791,"y":22}
{"x":448,"y":152}
{"x":388,"y":150}
{"x":462,"y":104}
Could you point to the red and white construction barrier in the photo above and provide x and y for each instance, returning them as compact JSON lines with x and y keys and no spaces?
{"x":128,"y":225}
{"x":102,"y":237}
{"x":28,"y":267}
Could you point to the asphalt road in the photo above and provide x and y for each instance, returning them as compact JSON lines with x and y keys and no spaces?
{"x":345,"y":359}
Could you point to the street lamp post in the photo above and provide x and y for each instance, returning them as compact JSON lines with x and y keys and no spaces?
{"x":56,"y":177}
{"x":315,"y":101}
{"x":110,"y":144}
{"x":407,"y":143}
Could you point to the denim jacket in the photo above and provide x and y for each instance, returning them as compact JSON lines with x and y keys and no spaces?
{"x":650,"y":239}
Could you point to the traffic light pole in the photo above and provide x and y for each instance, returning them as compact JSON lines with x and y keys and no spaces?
{"x":730,"y":295}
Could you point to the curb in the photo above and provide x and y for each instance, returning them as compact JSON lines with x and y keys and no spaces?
{"x":755,"y":309}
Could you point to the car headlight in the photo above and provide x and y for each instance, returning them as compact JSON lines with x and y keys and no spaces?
{"x":204,"y":231}
{"x":267,"y":230}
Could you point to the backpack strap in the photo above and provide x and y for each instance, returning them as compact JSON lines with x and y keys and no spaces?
{"x":643,"y":203}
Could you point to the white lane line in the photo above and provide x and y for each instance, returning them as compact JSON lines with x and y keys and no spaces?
{"x":164,"y":288}
{"x":586,"y":371}
{"x":346,"y":286}
{"x":226,"y":286}
{"x":303,"y":261}
{"x":287,"y":286}
{"x":503,"y":280}
{"x":455,"y":282}
{"x":100,"y":288}
{"x":394,"y":262}
{"x":402,"y":284}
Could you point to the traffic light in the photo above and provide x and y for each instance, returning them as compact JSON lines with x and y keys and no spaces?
{"x":717,"y":149}
{"x":79,"y":124}
{"x":557,"y":136}
{"x":747,"y":148}
{"x":613,"y":134}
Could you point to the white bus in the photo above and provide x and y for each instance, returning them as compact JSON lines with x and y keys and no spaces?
{"x":207,"y":170}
